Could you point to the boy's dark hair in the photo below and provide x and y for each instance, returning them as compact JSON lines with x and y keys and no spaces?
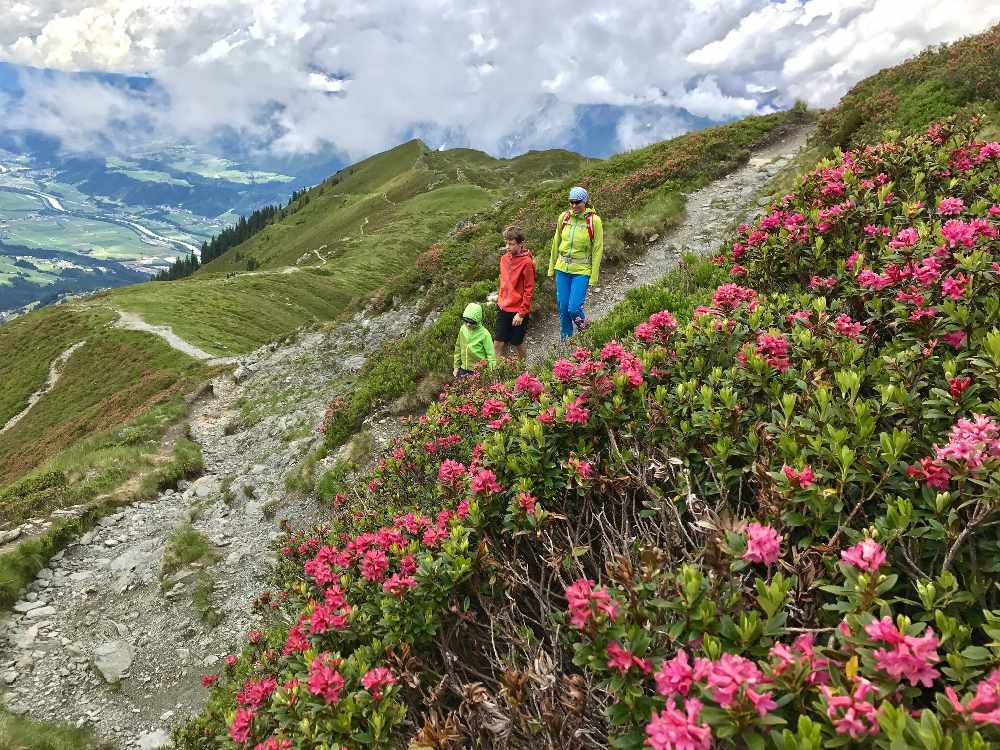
{"x":514,"y":232}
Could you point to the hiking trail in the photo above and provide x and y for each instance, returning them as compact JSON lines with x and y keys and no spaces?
{"x":710,"y":216}
{"x":133,"y":322}
{"x":55,"y":371}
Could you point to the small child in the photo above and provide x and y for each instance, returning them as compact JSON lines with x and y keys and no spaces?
{"x":474,"y":343}
{"x":517,"y":282}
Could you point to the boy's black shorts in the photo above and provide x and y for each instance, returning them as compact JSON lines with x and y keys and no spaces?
{"x":507,"y":332}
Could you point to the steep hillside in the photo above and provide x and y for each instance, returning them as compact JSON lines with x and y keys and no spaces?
{"x":963,"y":77}
{"x":766,"y":521}
{"x":393,"y":205}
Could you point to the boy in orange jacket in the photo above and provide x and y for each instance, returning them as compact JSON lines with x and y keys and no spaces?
{"x":517,"y":282}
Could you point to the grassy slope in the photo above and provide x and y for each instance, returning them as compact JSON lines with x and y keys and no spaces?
{"x":940,"y":81}
{"x":137,"y":371}
{"x":406,"y":199}
{"x":29,"y":344}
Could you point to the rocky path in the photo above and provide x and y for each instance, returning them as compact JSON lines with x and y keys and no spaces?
{"x":102,"y":637}
{"x":711,"y":213}
{"x":134,"y":322}
{"x":55,"y":370}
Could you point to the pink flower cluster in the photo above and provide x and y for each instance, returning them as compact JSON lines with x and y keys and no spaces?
{"x":853,"y":714}
{"x":845,"y":326}
{"x":672,"y":729}
{"x":763,"y":544}
{"x":528,"y":383}
{"x":623,"y":660}
{"x":660,"y":327}
{"x":774,"y":349}
{"x":376,"y":680}
{"x":972,"y":442}
{"x":585,"y":602}
{"x":866,"y":555}
{"x":984,"y":707}
{"x":802,"y":651}
{"x":950,"y":206}
{"x":910,"y":657}
{"x":324,"y":679}
{"x":730,"y":296}
{"x":803,"y":478}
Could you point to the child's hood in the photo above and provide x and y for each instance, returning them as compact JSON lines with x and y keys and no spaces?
{"x":474,"y":311}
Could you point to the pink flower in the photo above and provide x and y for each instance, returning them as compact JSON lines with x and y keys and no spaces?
{"x":623,"y":660}
{"x":933,"y":472}
{"x":582,"y":598}
{"x":273,"y":743}
{"x":376,"y":680}
{"x":953,"y":287}
{"x":906,"y":238}
{"x":774,"y":350}
{"x":577,"y":413}
{"x":672,"y":730}
{"x":737,"y":270}
{"x":528,"y":383}
{"x":492,"y":407}
{"x":731,"y":296}
{"x":738,"y":250}
{"x":374,"y":565}
{"x":563,"y":370}
{"x":239,"y":730}
{"x":847,"y":327}
{"x":763,"y":544}
{"x":957,"y":385}
{"x":485,"y":481}
{"x":989,"y":151}
{"x":984,"y":707}
{"x":209,"y":680}
{"x":324,"y":680}
{"x":801,"y":651}
{"x":725,"y":676}
{"x":254,"y":694}
{"x":852,"y":714}
{"x":674,"y":676}
{"x":584,"y":470}
{"x":397,"y":584}
{"x":995,"y":210}
{"x":971,"y":442}
{"x":803,"y":479}
{"x":950,"y":206}
{"x":822,"y":283}
{"x":230,"y":660}
{"x":526,"y":501}
{"x":957,"y":232}
{"x":909,"y":658}
{"x":865,"y":555}
{"x":450,"y":472}
{"x":955,"y":339}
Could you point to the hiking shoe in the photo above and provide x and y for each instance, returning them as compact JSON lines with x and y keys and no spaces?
{"x":580,"y":323}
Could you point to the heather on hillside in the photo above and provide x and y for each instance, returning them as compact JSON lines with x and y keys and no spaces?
{"x":939,"y":82}
{"x":772,"y":524}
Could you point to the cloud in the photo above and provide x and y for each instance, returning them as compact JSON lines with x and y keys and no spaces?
{"x":300,"y":75}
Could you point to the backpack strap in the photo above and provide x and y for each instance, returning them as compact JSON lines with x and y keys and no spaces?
{"x":590,"y":228}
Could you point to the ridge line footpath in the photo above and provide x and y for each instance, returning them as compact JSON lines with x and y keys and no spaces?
{"x":131,"y":321}
{"x":55,"y":372}
{"x":119,"y":629}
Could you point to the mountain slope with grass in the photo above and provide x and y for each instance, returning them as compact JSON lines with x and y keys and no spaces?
{"x":949,"y":79}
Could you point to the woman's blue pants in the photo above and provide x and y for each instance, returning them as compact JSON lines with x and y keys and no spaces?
{"x":571,"y":291}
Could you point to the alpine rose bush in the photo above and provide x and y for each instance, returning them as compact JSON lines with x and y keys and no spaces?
{"x":771,"y":524}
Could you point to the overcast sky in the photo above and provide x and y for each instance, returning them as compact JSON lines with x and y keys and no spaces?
{"x":361,"y":74}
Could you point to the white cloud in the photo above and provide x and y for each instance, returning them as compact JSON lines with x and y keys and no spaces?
{"x":479,"y":73}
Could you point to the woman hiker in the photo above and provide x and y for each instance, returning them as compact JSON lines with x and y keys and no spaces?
{"x":575,"y":259}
